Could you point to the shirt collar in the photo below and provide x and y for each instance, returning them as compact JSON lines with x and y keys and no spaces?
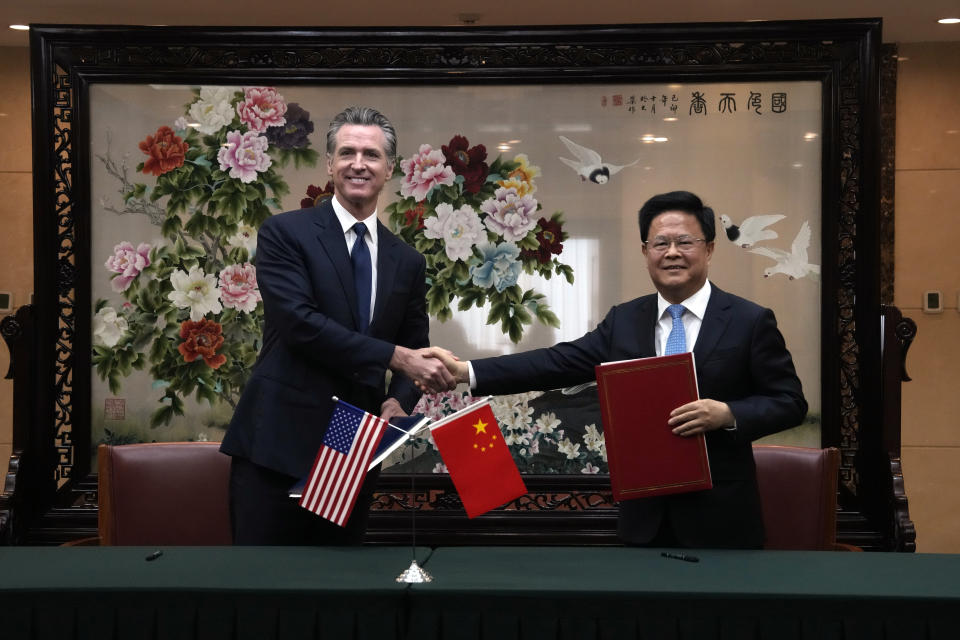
{"x":695,"y":304}
{"x":347,"y":220}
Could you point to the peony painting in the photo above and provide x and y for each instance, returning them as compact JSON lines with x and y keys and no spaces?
{"x":521,"y":251}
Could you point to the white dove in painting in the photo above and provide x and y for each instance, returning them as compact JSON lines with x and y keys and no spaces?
{"x":589,"y":165}
{"x":793,"y":264}
{"x":752,"y":230}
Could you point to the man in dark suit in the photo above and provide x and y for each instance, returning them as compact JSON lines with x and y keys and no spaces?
{"x":747,"y":381}
{"x":343,"y":304}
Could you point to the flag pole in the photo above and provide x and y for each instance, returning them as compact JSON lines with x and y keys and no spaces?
{"x":414,"y":574}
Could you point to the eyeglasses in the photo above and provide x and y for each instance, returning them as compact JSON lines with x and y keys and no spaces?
{"x":661,"y":244}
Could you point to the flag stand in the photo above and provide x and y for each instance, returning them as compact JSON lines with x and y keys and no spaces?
{"x":414,"y":574}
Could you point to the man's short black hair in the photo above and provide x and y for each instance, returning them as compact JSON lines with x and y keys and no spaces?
{"x":363,"y":116}
{"x":677,"y":201}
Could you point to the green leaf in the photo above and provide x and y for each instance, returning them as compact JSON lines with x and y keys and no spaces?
{"x":113,"y":380}
{"x":470,"y":297}
{"x":171,"y":225}
{"x":520,"y":313}
{"x":437,"y":300}
{"x":529,"y":241}
{"x":498,"y":311}
{"x":514,"y":329}
{"x":547,"y":317}
{"x":163,"y":415}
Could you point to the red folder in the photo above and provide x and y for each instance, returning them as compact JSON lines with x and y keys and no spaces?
{"x":645,"y":457}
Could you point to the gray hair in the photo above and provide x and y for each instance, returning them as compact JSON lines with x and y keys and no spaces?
{"x":367,"y":117}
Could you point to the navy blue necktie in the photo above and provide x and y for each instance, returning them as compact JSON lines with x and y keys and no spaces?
{"x":362,"y":275}
{"x":677,"y":340}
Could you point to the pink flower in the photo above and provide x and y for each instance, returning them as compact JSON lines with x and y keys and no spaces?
{"x":244,"y":154}
{"x":128,"y":263}
{"x":423,"y":171}
{"x":261,"y":108}
{"x":510,"y":215}
{"x":238,"y":287}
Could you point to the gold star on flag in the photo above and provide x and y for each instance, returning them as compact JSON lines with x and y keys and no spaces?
{"x":481,"y":427}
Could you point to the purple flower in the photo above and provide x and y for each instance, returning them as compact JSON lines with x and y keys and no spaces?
{"x":127,"y":263}
{"x":294,"y":134}
{"x":509,"y":214}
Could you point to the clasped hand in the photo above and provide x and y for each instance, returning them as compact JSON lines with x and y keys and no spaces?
{"x":432,"y":369}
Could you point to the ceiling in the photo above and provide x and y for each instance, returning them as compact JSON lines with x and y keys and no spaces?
{"x":903,"y":20}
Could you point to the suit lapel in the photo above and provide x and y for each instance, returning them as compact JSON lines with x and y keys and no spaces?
{"x":387,"y":255}
{"x":330,"y":237}
{"x":647,"y":326}
{"x":715,"y":321}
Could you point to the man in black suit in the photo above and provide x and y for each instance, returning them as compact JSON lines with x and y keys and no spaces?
{"x":748,"y":385}
{"x":343,"y":304}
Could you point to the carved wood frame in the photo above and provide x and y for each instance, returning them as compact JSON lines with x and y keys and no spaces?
{"x":842,"y":54}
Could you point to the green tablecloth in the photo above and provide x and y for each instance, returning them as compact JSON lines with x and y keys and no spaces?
{"x":216,"y":592}
{"x":504,"y":593}
{"x":478,"y":592}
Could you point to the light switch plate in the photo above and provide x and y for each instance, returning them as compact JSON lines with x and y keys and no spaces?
{"x":932,"y":302}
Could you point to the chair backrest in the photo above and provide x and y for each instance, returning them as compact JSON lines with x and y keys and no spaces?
{"x":798,"y":495}
{"x":164,"y":493}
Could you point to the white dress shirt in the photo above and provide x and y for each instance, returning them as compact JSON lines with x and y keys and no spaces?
{"x":696,"y":307}
{"x":350,"y":236}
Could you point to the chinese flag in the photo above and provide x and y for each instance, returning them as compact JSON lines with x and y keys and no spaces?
{"x":482,"y":469}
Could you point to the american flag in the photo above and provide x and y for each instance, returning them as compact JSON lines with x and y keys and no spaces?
{"x":348,"y":446}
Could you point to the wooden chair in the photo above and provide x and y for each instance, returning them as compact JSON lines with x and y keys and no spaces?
{"x":165,"y":493}
{"x":798,"y":495}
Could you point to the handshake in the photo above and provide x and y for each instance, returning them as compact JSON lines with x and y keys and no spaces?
{"x":432,"y":369}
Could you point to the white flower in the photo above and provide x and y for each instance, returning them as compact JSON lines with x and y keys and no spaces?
{"x":213,"y":110}
{"x":517,"y":437}
{"x":440,"y":468}
{"x":522,"y":416}
{"x":571,"y":450}
{"x":547,"y":422}
{"x":244,"y":238}
{"x":108,"y":327}
{"x":197,"y":291}
{"x":594,"y":439}
{"x":460,"y":229}
{"x":590,"y":469}
{"x":181,"y":124}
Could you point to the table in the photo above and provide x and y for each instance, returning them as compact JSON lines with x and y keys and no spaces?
{"x":478,"y":592}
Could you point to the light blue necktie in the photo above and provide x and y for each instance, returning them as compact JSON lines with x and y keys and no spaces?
{"x":677,"y":340}
{"x":362,"y":274}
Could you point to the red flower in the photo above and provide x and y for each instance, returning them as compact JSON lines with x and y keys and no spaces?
{"x":316,"y":195}
{"x":165,"y":149}
{"x":201,"y":340}
{"x":414,"y":217}
{"x":467,"y":162}
{"x":550,"y":237}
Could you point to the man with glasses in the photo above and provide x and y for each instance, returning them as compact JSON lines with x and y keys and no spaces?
{"x":748,"y":385}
